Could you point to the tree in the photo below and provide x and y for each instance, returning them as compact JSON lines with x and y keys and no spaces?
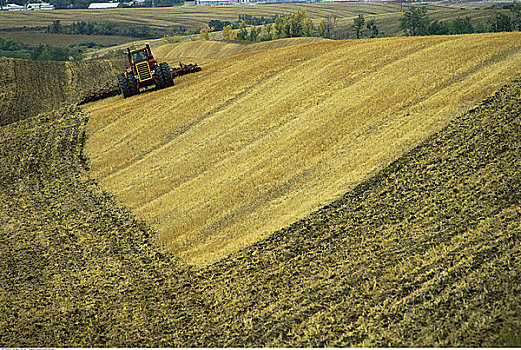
{"x":55,"y":53}
{"x":501,"y":23}
{"x":482,"y":28}
{"x":205,"y":33}
{"x":373,"y":30}
{"x":243,"y":32}
{"x":326,"y":28}
{"x":358,"y":24}
{"x":268,"y":28}
{"x":279,"y":27}
{"x":60,"y":4}
{"x":516,"y":17}
{"x":254,"y":33}
{"x":415,"y":21}
{"x":308,"y":27}
{"x":228,"y":34}
{"x":80,"y":4}
{"x":218,"y":25}
{"x":56,"y":27}
{"x":137,"y":31}
{"x":438,"y":28}
{"x":462,"y":26}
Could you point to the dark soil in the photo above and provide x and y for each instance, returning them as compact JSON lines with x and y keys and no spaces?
{"x":33,"y":87}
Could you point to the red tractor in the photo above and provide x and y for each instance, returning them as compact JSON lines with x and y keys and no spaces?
{"x":144,"y":71}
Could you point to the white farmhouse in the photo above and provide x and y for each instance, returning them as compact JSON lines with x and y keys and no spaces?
{"x":104,"y":5}
{"x":40,"y":6}
{"x":12,"y":7}
{"x":216,"y":2}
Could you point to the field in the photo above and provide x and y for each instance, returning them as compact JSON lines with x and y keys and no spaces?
{"x":56,"y":85}
{"x":385,"y":14}
{"x":208,"y":51}
{"x":282,"y":132}
{"x":384,"y":185}
{"x":189,"y":17}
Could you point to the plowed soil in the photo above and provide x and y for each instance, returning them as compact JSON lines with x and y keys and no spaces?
{"x":30,"y":88}
{"x":424,"y":252}
{"x":257,"y":141}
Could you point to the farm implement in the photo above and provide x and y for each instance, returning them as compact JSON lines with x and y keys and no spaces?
{"x":144,"y":72}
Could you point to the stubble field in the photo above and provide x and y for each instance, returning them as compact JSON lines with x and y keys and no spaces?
{"x":258,"y":141}
{"x":422,"y":251}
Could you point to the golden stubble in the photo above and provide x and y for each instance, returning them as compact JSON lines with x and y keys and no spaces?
{"x":257,"y":141}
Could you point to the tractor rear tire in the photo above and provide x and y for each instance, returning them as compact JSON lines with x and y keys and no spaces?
{"x":132,"y":83}
{"x":160,"y":79}
{"x":167,"y":74}
{"x":124,"y":86}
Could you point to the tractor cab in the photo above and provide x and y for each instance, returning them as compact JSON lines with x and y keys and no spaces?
{"x":142,"y":64}
{"x":138,"y":56}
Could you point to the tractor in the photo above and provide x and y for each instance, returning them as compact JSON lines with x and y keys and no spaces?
{"x":144,"y":71}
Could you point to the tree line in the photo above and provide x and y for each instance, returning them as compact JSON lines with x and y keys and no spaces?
{"x":74,"y":52}
{"x":415,"y":21}
{"x":104,"y":28}
{"x":250,"y":28}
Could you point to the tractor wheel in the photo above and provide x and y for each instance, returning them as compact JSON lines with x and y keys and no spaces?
{"x":132,"y":83}
{"x":160,"y":81}
{"x":124,"y":86}
{"x":167,"y":74}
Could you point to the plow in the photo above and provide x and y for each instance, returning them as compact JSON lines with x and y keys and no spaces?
{"x":144,"y":71}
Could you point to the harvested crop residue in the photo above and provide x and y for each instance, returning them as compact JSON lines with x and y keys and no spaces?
{"x":260,"y":140}
{"x":424,"y":253}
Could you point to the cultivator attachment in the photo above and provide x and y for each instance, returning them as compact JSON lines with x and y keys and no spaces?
{"x":107,"y":91}
{"x":114,"y":89}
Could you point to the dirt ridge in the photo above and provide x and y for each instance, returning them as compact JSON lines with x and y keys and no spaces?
{"x":33,"y":87}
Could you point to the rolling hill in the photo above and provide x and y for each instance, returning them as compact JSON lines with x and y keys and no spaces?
{"x":260,"y":140}
{"x":420,"y":248}
{"x":48,"y":86}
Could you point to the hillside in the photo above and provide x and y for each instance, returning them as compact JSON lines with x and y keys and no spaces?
{"x":207,"y":51}
{"x":257,"y":141}
{"x":425,"y":252}
{"x":48,"y":86}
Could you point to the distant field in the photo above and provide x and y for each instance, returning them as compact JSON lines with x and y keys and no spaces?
{"x":197,"y":17}
{"x":189,"y":17}
{"x":389,"y":23}
{"x":159,"y":20}
{"x":256,"y":141}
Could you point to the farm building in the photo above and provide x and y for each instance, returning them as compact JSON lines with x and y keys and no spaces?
{"x":12,"y":7}
{"x":104,"y":5}
{"x":235,"y":2}
{"x":216,"y":2}
{"x":27,"y":7}
{"x":40,"y":6}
